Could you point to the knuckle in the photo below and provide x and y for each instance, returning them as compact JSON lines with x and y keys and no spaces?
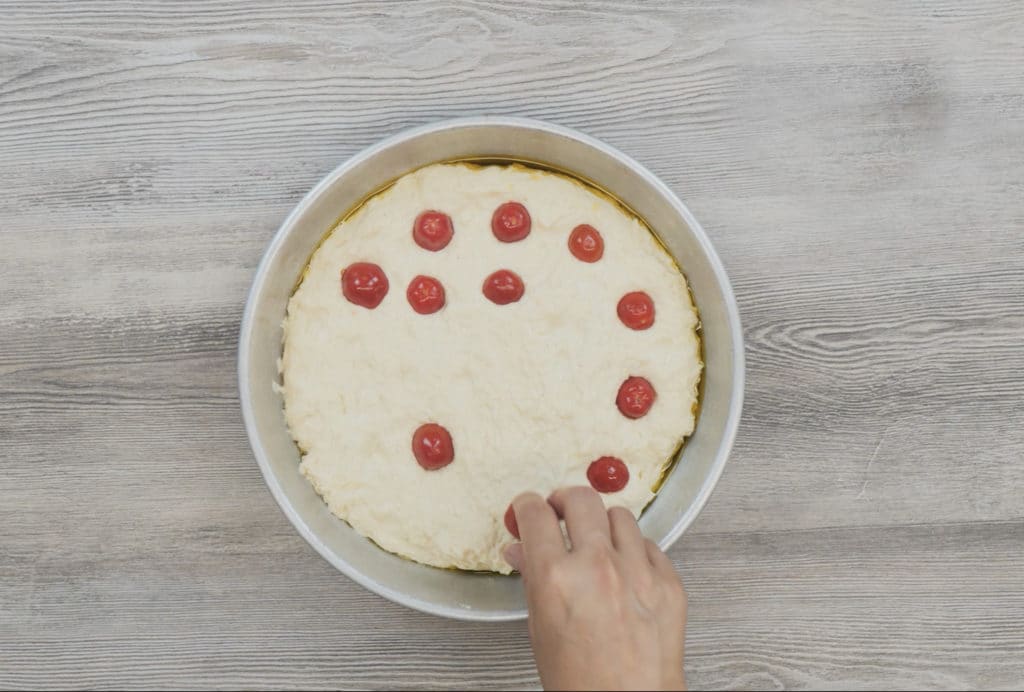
{"x":598,"y":542}
{"x":559,"y":576}
{"x":600,"y":560}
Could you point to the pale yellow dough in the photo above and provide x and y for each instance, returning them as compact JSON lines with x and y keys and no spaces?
{"x":527,"y":390}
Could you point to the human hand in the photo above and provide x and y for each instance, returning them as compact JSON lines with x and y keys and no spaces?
{"x":610,"y":613}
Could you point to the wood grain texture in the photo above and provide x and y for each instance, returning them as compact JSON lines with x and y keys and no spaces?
{"x":859,"y":167}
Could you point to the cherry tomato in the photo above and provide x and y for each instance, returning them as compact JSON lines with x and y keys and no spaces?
{"x":608,"y":475}
{"x":425,"y":294}
{"x":586,"y":243}
{"x":432,"y":230}
{"x":364,"y":284}
{"x":511,"y":222}
{"x":510,"y":522}
{"x":636,"y":310}
{"x":432,"y":446}
{"x":635,"y":398}
{"x":503,"y":287}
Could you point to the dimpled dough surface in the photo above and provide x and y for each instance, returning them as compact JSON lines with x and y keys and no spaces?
{"x":527,"y":390}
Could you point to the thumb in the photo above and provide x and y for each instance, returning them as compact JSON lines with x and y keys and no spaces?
{"x":513,"y":554}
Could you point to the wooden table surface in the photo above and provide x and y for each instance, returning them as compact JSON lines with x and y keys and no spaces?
{"x":858,"y":165}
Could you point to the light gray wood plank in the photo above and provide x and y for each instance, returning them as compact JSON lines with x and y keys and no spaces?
{"x":859,"y":166}
{"x":863,"y":608}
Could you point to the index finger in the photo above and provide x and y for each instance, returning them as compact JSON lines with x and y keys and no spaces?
{"x":539,"y":529}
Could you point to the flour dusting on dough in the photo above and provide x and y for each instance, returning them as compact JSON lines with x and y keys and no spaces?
{"x":527,"y":390}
